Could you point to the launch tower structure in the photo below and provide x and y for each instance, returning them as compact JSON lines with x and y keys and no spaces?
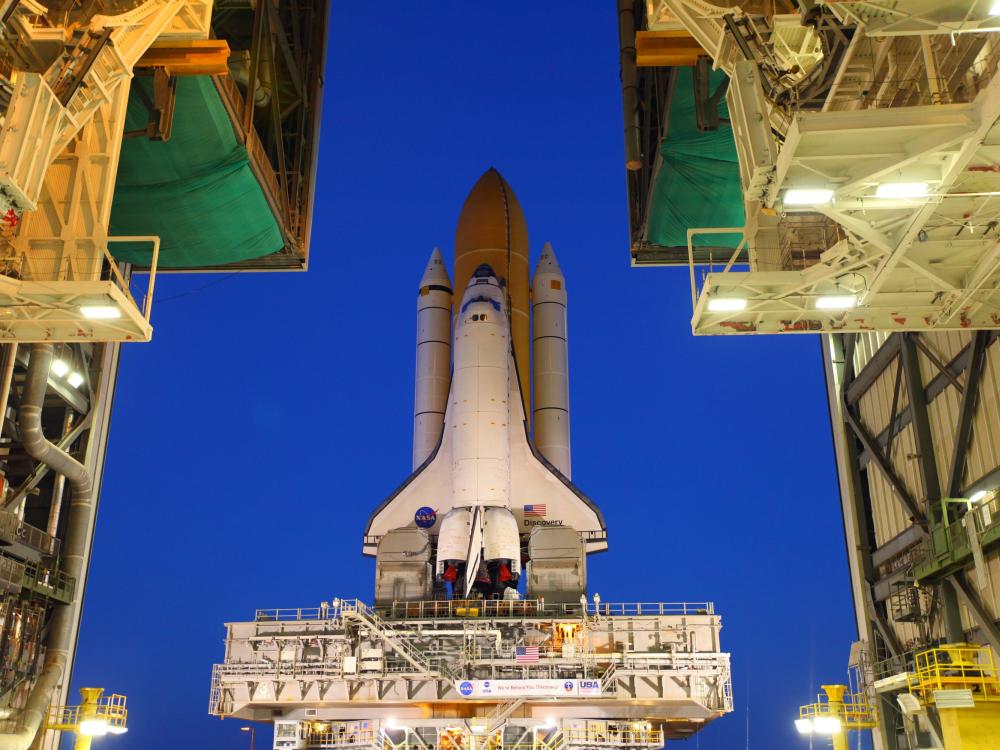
{"x":482,"y":634}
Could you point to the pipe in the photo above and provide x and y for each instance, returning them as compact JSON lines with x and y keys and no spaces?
{"x":32,"y":717}
{"x":58,"y":485}
{"x":239,"y":69}
{"x":10,"y":359}
{"x":630,"y":84}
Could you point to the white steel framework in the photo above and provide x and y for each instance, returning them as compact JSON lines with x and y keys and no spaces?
{"x":872,"y":189}
{"x":496,"y":669}
{"x":60,"y":140}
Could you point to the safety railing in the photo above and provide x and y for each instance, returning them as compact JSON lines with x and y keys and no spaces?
{"x":341,"y":734}
{"x":109,"y":709}
{"x":893,"y":665}
{"x":291,"y":614}
{"x":14,"y":530}
{"x":540,"y":608}
{"x":459,"y":608}
{"x":955,"y":667}
{"x":51,"y":583}
{"x":855,"y":713}
{"x":614,"y":734}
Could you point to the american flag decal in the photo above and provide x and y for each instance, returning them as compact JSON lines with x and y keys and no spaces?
{"x":526,"y":653}
{"x":534,"y":511}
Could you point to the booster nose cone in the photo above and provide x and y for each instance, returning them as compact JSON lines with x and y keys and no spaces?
{"x":547,"y":263}
{"x":435,"y":274}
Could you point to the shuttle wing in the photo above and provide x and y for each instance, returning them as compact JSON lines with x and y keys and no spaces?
{"x":540,"y":495}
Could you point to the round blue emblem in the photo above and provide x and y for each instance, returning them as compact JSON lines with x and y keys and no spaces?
{"x":568,"y":686}
{"x":425,"y":517}
{"x":465,"y":688}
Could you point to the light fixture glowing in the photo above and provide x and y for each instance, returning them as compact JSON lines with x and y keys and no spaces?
{"x":727,"y":304}
{"x":59,"y":368}
{"x":93,"y":727}
{"x":837,"y":302}
{"x":75,"y":379}
{"x":804,"y":726}
{"x":100,"y":312}
{"x":995,"y":9}
{"x":975,"y":497}
{"x":807,"y":196}
{"x":901,"y":190}
{"x":391,"y":722}
{"x":117,"y":729}
{"x":550,"y":723}
{"x":826,"y":724}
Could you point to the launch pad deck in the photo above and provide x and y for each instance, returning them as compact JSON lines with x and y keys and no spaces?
{"x":496,"y":668}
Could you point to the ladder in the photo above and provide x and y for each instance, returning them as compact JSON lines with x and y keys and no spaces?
{"x":609,"y":681}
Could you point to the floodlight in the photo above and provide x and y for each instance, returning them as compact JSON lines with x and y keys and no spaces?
{"x":804,"y":726}
{"x":75,"y":379}
{"x":995,"y":8}
{"x":837,"y":302}
{"x":826,"y":724}
{"x":807,"y":196}
{"x":100,"y":312}
{"x":59,"y":368}
{"x":901,"y":190}
{"x":727,"y":304}
{"x":93,"y":727}
{"x":975,"y":497}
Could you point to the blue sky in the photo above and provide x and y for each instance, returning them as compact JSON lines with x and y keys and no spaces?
{"x":271,"y":413}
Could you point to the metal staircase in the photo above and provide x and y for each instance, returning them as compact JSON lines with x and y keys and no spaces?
{"x":366,"y":616}
{"x":609,"y":681}
{"x":501,"y":712}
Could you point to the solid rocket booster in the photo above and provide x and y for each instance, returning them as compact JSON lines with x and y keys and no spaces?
{"x":499,"y":239}
{"x":433,"y":358}
{"x":550,"y":365}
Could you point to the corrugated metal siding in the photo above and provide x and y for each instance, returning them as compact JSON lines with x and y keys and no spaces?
{"x":874,"y":407}
{"x":867,"y":345}
{"x":984,"y":449}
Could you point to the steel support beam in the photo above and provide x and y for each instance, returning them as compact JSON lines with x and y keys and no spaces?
{"x":874,"y":624}
{"x":875,"y":453}
{"x":970,"y":399}
{"x":927,"y":464}
{"x":946,"y":377}
{"x":926,"y":461}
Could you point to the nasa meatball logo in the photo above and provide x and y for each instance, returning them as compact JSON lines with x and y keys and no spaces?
{"x":425,"y":517}
{"x":466,"y":687}
{"x":568,"y":686}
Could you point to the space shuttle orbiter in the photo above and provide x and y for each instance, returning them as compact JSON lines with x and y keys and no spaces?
{"x":490,"y":501}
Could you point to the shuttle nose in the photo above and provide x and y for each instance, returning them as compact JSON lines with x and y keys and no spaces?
{"x":483,"y":271}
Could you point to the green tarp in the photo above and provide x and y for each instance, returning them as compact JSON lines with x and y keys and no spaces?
{"x":698,"y":184}
{"x":196,"y":191}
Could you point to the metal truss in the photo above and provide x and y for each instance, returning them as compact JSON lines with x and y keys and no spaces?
{"x":345,"y":660}
{"x":60,"y":139}
{"x":865,"y":98}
